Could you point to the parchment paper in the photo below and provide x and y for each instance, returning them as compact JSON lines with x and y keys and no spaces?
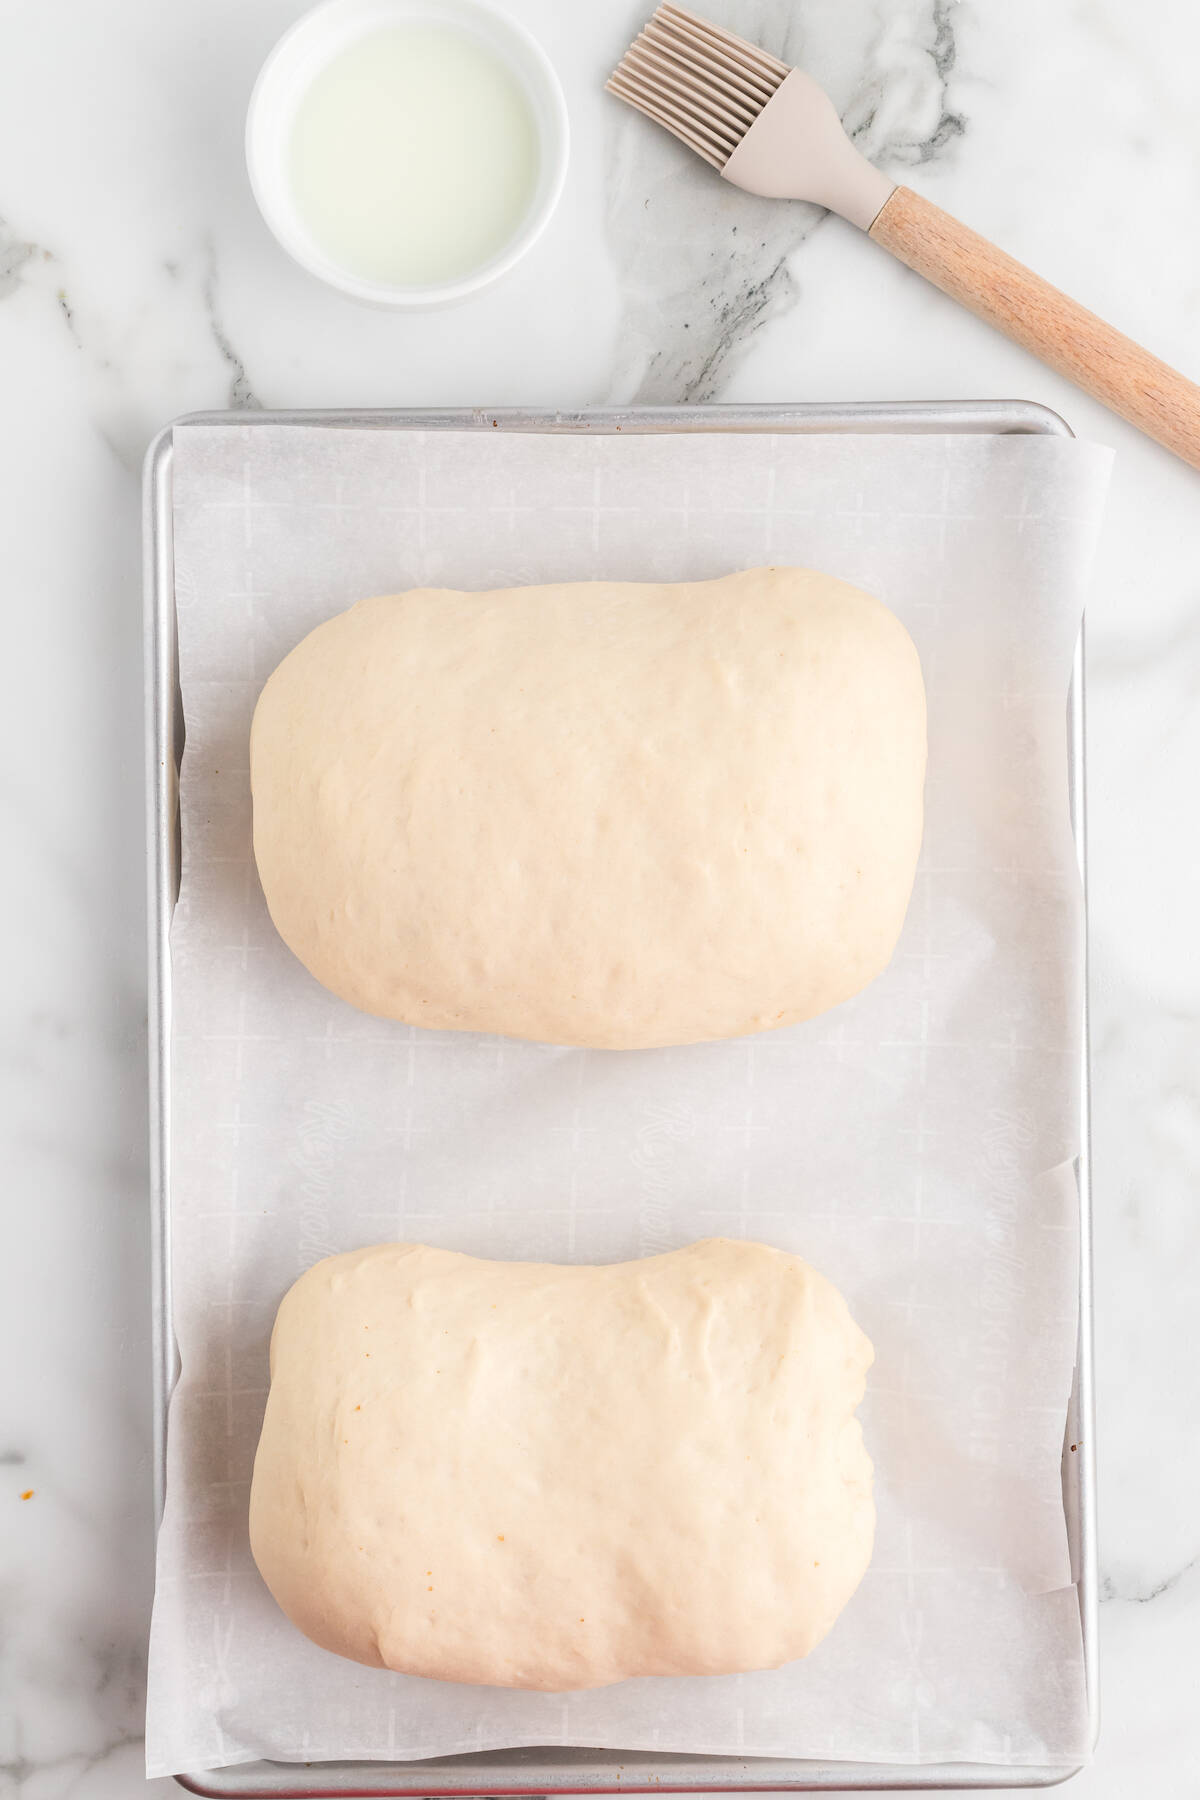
{"x":914,"y":1144}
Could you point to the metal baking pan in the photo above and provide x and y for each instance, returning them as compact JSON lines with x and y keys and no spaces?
{"x":557,"y":1770}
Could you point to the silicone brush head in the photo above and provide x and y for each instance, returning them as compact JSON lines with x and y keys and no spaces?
{"x":698,"y":80}
{"x":764,"y":126}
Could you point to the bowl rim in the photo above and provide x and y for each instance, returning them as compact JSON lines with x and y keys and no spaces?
{"x":532,"y":68}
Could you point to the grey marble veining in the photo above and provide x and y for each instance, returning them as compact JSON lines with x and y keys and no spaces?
{"x":241,"y":394}
{"x":705,"y":266}
{"x":181,"y":341}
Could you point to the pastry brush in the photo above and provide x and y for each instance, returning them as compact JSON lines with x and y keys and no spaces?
{"x":771,"y":130}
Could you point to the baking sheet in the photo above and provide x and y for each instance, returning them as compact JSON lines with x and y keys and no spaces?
{"x":913,"y":1144}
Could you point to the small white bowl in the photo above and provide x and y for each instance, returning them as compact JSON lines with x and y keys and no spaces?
{"x":310,"y":45}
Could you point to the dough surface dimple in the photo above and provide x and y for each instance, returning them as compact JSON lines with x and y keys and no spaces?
{"x":528,"y":1475}
{"x":610,"y":814}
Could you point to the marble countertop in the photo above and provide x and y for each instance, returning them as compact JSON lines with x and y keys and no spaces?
{"x":137,"y":282}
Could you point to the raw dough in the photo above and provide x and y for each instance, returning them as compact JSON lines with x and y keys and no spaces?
{"x":545,"y":1477}
{"x":606,"y":814}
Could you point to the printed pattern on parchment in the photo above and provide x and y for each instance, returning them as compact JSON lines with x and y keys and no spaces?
{"x":915,"y":1144}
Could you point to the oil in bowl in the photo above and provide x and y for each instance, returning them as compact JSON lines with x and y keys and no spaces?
{"x":414,"y":155}
{"x":407,"y":151}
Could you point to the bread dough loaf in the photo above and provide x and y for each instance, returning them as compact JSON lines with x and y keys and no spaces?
{"x":606,"y":814}
{"x":543,"y":1477}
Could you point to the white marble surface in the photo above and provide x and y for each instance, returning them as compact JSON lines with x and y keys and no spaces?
{"x":136,"y":282}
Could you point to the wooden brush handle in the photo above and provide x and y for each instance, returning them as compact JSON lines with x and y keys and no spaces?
{"x":1155,"y":398}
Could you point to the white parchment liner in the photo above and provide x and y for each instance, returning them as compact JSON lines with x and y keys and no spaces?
{"x":914,"y":1144}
